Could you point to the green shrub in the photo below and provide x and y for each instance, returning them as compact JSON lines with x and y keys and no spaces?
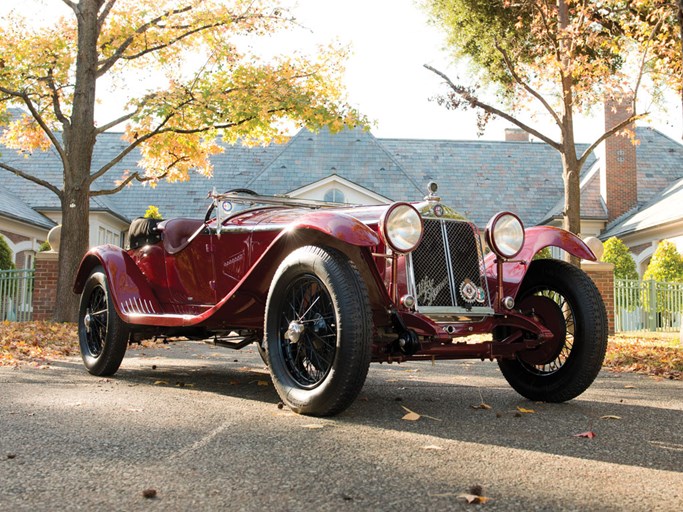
{"x":543,"y":254}
{"x":617,"y":253}
{"x":666,"y":264}
{"x":6,"y":262}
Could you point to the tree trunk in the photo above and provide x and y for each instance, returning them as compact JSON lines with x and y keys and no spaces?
{"x":79,"y":142}
{"x":570,"y":165}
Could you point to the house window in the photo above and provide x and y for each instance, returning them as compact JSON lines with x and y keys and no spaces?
{"x":334,"y":195}
{"x":107,"y":236}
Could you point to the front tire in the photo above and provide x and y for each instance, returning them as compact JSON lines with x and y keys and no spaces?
{"x":570,"y":305}
{"x":102,"y":335}
{"x":318,"y":330}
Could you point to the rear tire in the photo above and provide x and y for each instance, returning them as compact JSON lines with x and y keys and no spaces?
{"x":318,"y":330}
{"x":572,"y":308}
{"x":102,"y":335}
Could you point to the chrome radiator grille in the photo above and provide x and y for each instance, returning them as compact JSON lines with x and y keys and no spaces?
{"x":446,"y":272}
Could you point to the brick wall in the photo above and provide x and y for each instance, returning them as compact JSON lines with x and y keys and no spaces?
{"x":619,"y":173}
{"x":14,"y":237}
{"x":602,"y":275}
{"x":45,"y":285}
{"x":516,"y":135}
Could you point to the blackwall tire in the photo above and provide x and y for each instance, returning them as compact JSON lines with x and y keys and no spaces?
{"x":576,"y":357}
{"x":102,"y":335}
{"x":318,"y":329}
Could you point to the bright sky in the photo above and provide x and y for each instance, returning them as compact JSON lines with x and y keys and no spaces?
{"x":385,"y":78}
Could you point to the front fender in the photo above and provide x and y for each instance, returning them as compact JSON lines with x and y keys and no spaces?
{"x":536,"y":239}
{"x":338,"y":225}
{"x":129,"y":289}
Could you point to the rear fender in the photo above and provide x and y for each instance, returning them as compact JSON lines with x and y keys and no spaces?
{"x":536,"y":239}
{"x":128,"y":287}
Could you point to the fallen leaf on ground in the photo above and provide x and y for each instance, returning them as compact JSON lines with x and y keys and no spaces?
{"x":160,"y":383}
{"x":525,"y":411}
{"x":411,"y":416}
{"x":149,"y":493}
{"x":481,"y":406}
{"x":610,"y":417}
{"x":314,"y":426}
{"x":433,"y":447}
{"x":588,"y":435}
{"x":473,"y":498}
{"x":628,"y":386}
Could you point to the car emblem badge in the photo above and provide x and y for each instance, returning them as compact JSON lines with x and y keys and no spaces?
{"x":481,"y":295}
{"x":468,"y":291}
{"x":438,"y":210}
{"x":227,"y":206}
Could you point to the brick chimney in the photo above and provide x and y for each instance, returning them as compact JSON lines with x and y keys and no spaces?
{"x":619,"y":170}
{"x":516,"y":135}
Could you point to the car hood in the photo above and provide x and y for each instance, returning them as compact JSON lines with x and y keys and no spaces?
{"x":280,"y":216}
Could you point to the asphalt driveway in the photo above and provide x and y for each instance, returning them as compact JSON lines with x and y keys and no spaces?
{"x":201,"y":427}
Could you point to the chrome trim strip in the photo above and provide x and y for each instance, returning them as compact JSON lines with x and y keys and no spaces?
{"x":449,"y":264}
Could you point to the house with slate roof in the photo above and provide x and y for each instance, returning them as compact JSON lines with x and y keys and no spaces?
{"x":631,"y":191}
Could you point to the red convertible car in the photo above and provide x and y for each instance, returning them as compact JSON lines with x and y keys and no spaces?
{"x":324,"y":289}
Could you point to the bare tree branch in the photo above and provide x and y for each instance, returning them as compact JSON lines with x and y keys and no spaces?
{"x":71,"y":5}
{"x":475,"y":102}
{"x":607,"y":134}
{"x":105,"y":12}
{"x":108,"y":63}
{"x":32,"y":178}
{"x":527,"y":87}
{"x":56,"y":105}
{"x":135,"y":176}
{"x":38,"y":118}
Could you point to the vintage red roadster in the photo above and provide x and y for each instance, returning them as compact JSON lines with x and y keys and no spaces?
{"x":324,"y":289}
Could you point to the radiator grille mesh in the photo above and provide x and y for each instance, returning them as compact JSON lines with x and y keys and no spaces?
{"x":448,"y":268}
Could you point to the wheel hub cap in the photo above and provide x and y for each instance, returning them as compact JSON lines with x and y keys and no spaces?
{"x":86,"y":322}
{"x":294,"y":331}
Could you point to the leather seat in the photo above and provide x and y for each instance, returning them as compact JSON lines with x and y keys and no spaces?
{"x":178,"y":233}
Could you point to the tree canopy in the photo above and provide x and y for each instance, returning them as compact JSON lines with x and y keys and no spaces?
{"x":666,"y":264}
{"x":561,"y":57}
{"x":201,"y":81}
{"x":618,"y":254}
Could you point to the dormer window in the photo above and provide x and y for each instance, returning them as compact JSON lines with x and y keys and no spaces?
{"x":334,"y":195}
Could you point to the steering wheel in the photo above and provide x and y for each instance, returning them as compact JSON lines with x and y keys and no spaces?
{"x":211,"y":207}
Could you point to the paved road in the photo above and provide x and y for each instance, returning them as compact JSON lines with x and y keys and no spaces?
{"x":201,"y":426}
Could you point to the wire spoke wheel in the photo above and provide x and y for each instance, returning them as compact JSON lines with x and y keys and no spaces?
{"x":96,"y":320}
{"x":310,"y":354}
{"x":102,"y":335}
{"x":566,"y":301}
{"x":318,"y":331}
{"x":557,"y":314}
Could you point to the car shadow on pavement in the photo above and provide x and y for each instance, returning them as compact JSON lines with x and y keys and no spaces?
{"x":620,"y":419}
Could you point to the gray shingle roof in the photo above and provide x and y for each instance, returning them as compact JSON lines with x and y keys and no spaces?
{"x":477,"y":178}
{"x":665,"y":207}
{"x":14,"y":208}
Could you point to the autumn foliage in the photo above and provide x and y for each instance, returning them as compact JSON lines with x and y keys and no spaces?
{"x":198,"y":81}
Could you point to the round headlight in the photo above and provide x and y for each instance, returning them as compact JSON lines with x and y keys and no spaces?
{"x":505,"y":235}
{"x":401,"y":227}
